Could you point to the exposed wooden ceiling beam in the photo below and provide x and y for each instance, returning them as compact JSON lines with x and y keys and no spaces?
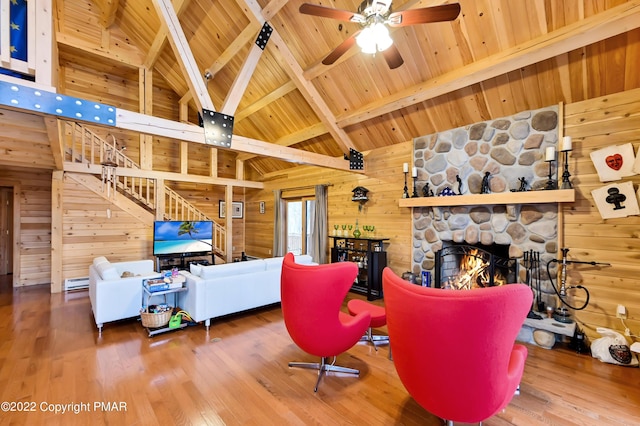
{"x":272,"y":8}
{"x":161,"y":36}
{"x":281,"y":91}
{"x":109,"y":9}
{"x":294,"y":138}
{"x":126,"y":57}
{"x":155,"y":174}
{"x":183,"y":54}
{"x":240,"y":83}
{"x":611,"y":22}
{"x":188,"y":132}
{"x":307,"y":89}
{"x":246,"y":36}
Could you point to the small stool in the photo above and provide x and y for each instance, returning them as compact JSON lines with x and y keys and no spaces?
{"x":378,"y":319}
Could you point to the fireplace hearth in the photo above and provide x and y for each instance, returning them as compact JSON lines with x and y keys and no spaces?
{"x":462,"y":266}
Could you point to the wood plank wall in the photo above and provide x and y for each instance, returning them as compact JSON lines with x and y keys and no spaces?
{"x":384,"y":180}
{"x":595,"y":124}
{"x":32,"y":239}
{"x":93,"y":226}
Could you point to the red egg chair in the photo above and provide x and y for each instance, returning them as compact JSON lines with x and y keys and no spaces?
{"x":454,"y":350}
{"x":312,"y":296}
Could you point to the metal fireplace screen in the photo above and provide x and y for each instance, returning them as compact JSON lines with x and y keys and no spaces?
{"x":464,"y":266}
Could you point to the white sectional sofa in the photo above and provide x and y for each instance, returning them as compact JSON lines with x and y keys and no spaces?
{"x":218,"y":290}
{"x":112,"y":297}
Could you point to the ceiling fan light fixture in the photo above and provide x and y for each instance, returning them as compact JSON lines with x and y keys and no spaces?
{"x":374,"y":38}
{"x":365,"y":41}
{"x":382,"y":37}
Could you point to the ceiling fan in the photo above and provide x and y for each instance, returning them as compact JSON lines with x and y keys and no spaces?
{"x":373,"y":16}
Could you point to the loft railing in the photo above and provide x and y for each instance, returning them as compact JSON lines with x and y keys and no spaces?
{"x":84,"y":146}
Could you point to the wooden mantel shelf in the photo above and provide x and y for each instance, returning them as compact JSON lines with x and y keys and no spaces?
{"x":528,"y":197}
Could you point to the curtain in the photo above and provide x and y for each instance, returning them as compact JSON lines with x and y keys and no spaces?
{"x":319,"y":234}
{"x":279,"y":231}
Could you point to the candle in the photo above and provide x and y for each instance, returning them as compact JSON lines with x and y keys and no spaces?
{"x":414,"y":172}
{"x":550,"y":154}
{"x":566,"y":144}
{"x":405,"y":167}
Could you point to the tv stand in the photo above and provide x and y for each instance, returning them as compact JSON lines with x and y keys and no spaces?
{"x":169,"y":261}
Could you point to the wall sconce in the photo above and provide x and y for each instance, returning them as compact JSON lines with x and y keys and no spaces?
{"x":109,"y":169}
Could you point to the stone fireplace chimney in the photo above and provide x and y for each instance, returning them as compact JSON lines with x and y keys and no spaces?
{"x":509,"y":149}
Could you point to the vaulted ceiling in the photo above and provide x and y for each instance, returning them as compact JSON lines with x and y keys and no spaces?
{"x":497,"y":58}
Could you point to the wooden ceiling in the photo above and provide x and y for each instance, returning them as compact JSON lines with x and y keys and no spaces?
{"x":497,"y":58}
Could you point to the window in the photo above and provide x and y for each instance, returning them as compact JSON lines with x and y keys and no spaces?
{"x":299,"y":214}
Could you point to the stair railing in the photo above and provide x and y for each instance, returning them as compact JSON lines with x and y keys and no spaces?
{"x":84,"y":146}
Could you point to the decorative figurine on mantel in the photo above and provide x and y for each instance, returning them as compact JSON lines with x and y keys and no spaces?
{"x":523,"y":185}
{"x":484,"y":189}
{"x":459,"y":184}
{"x":426,"y":192}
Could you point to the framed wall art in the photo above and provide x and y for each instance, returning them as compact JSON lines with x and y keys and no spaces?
{"x":237,"y":210}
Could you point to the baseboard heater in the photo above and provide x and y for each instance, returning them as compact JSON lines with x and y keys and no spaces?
{"x":71,"y":284}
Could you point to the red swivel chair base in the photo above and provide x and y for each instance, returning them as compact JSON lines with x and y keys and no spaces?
{"x":312,"y":297}
{"x":324,"y":367}
{"x":378,"y":319}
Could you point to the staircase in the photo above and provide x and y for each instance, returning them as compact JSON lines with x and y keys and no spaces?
{"x":81,"y":145}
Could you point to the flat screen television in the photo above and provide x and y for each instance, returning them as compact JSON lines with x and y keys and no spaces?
{"x":180,"y":238}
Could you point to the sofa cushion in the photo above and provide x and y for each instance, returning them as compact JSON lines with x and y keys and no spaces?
{"x":195,"y":269}
{"x":304,"y":259}
{"x":273,"y":262}
{"x":230,"y":269}
{"x":99,"y":259}
{"x":107,"y":271}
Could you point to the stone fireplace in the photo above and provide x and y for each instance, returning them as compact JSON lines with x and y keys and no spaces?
{"x":510,"y":149}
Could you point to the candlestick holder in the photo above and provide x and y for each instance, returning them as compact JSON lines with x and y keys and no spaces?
{"x":551,"y":184}
{"x":415,"y":188}
{"x":405,"y":194}
{"x":566,"y":183}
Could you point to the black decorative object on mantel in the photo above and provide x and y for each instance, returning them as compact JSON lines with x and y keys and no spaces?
{"x":566,"y":183}
{"x":565,"y":147}
{"x":415,"y":188}
{"x":405,"y":194}
{"x":484,"y":189}
{"x":551,"y":183}
{"x":523,"y":184}
{"x":459,"y":184}
{"x":550,"y":157}
{"x":426,"y":192}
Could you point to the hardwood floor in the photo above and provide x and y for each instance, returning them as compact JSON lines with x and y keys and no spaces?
{"x":237,"y":373}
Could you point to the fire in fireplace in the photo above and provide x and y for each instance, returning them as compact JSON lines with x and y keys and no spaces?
{"x":465,"y":266}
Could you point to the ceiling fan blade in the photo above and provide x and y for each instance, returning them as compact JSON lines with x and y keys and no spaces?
{"x":393,"y":57}
{"x":341,"y":49}
{"x":445,"y":12}
{"x":329,"y":12}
